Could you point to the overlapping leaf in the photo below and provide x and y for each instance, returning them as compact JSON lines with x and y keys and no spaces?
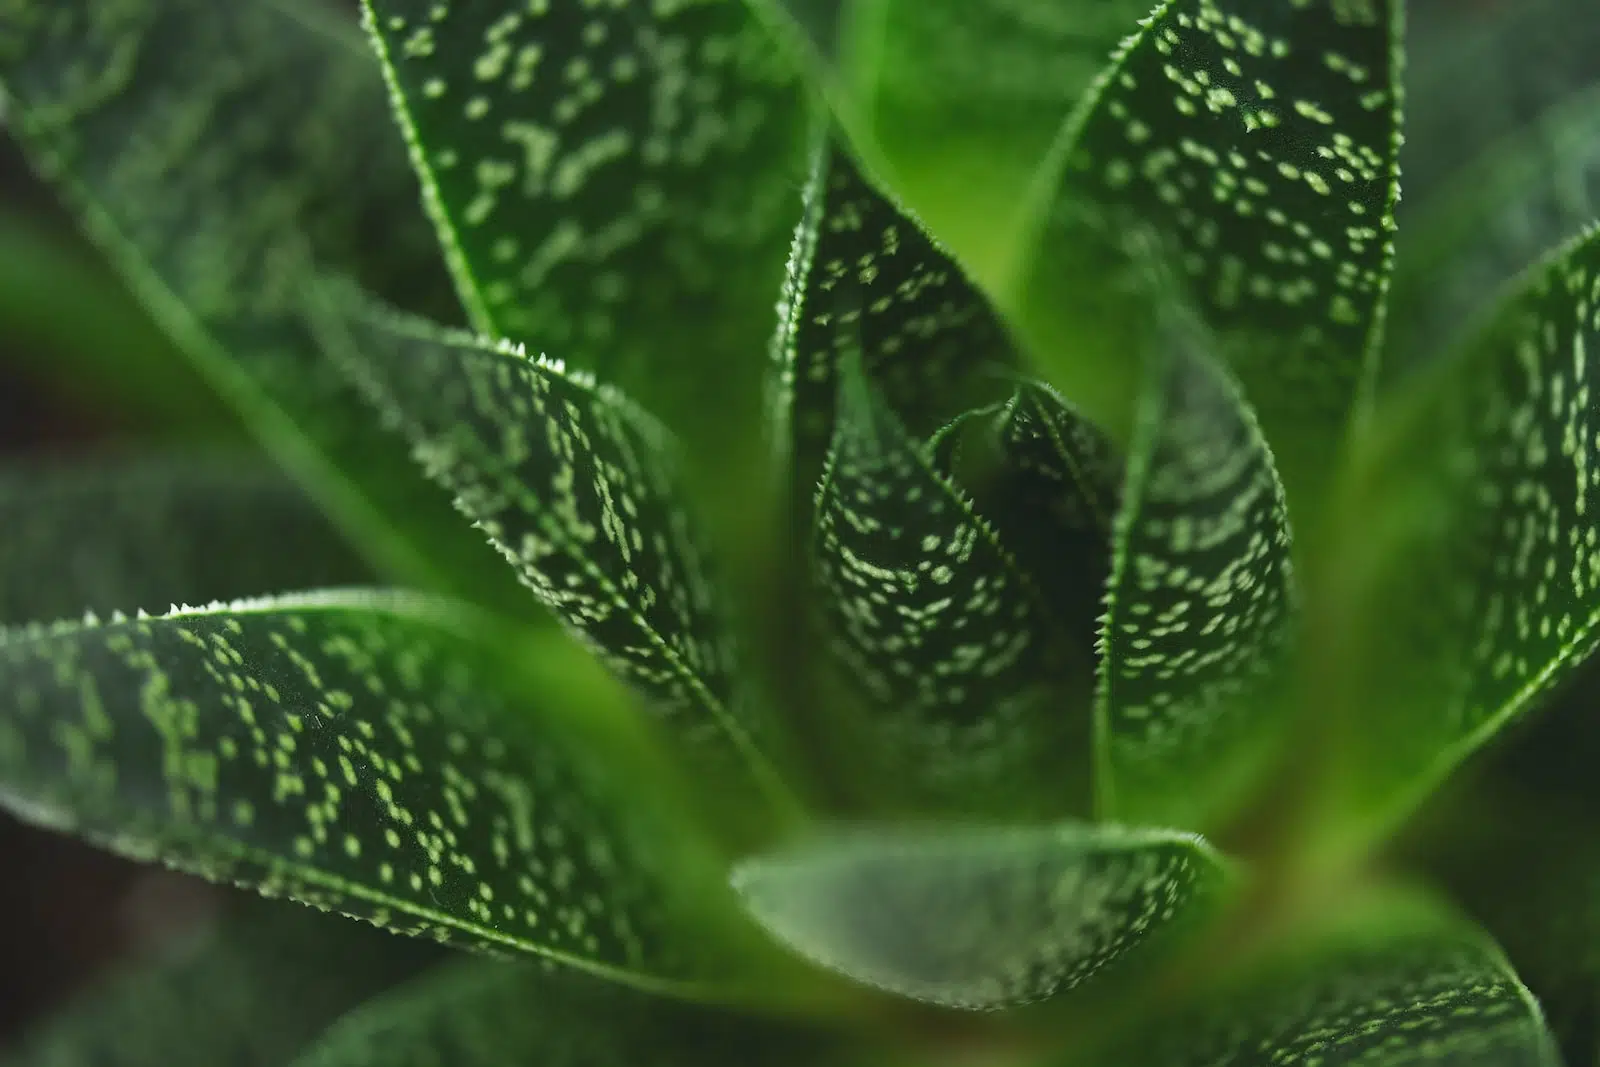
{"x":1467,"y":579}
{"x":1200,"y":604}
{"x":959,"y":658}
{"x":210,"y":149}
{"x":577,"y":488}
{"x":486,"y":1014}
{"x":145,"y":532}
{"x":255,"y":990}
{"x":605,"y":175}
{"x":866,"y":278}
{"x":981,"y":919}
{"x":353,"y":751}
{"x":1390,"y":982}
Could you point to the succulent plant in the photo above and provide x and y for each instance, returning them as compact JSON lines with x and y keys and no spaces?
{"x":873,"y":531}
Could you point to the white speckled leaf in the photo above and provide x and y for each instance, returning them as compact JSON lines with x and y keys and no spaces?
{"x":959,"y":660}
{"x":120,"y":533}
{"x":208,"y":148}
{"x":1386,"y":982}
{"x":578,"y":489}
{"x":981,"y":918}
{"x":250,"y":991}
{"x":955,"y":102}
{"x":482,"y":1013}
{"x":867,"y":278}
{"x":1258,"y":143}
{"x":1467,"y":565}
{"x":355,"y":751}
{"x":1200,"y":603}
{"x":612,"y":181}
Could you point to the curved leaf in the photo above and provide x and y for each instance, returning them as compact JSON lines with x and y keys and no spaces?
{"x":1466,"y":580}
{"x":1388,"y":982}
{"x":353,"y":751}
{"x":578,"y":489}
{"x":868,"y":279}
{"x":214,"y":152}
{"x":254,"y":990}
{"x":613,"y":182}
{"x":487,"y":1014}
{"x":981,"y":918}
{"x":120,"y":534}
{"x":1200,"y":604}
{"x":969,"y":694}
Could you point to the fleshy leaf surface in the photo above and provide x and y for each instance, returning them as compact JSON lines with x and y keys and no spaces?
{"x":964,"y":670}
{"x":482,"y":1013}
{"x":614,"y":183}
{"x":125,"y":533}
{"x":981,"y":918}
{"x":1201,"y":601}
{"x":579,"y":490}
{"x":1467,"y":581}
{"x":1387,"y":982}
{"x":251,"y":991}
{"x":217,"y":153}
{"x":353,"y":751}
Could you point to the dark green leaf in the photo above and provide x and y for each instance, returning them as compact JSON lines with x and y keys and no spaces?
{"x":866,"y":278}
{"x":211,"y":150}
{"x":251,"y":991}
{"x":353,"y":751}
{"x":578,"y":489}
{"x":1391,"y":982}
{"x":614,"y":182}
{"x":981,"y":918}
{"x":1258,"y":143}
{"x":120,"y":534}
{"x":488,"y":1014}
{"x":1466,"y":580}
{"x":1200,"y":604}
{"x":968,"y":681}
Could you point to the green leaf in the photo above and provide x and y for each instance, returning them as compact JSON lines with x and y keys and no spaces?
{"x":487,"y":1014}
{"x":145,"y":531}
{"x":210,"y":150}
{"x":1466,"y":581}
{"x":955,"y":102}
{"x":968,"y":681}
{"x":353,"y":751}
{"x":578,"y":489}
{"x":866,"y":278}
{"x":1495,"y":218}
{"x":250,"y":991}
{"x":1385,"y":982}
{"x":981,"y":918}
{"x":613,"y":182}
{"x":1201,"y":601}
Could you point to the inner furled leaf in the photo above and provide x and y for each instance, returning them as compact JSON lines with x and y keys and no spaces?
{"x":1467,"y":580}
{"x":1498,"y":216}
{"x":353,"y":751}
{"x":1258,"y":143}
{"x":1050,"y":482}
{"x":969,"y":685}
{"x":124,"y":533}
{"x":869,"y":279}
{"x":955,"y":102}
{"x":1390,"y":981}
{"x":612,"y":181}
{"x":483,"y":1013}
{"x":1201,"y":601}
{"x":209,"y":148}
{"x":982,"y":918}
{"x":251,"y":991}
{"x":578,"y":489}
